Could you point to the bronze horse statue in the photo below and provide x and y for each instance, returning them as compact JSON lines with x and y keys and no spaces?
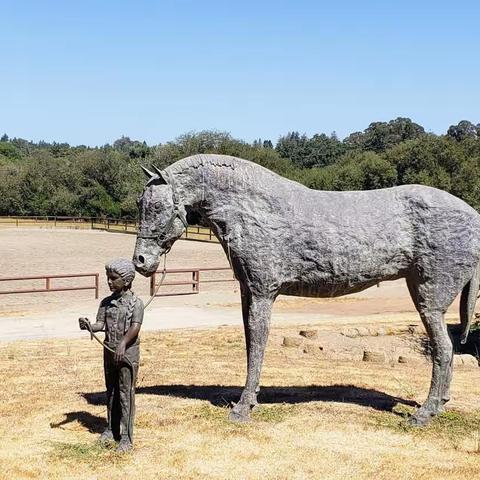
{"x":284,"y":238}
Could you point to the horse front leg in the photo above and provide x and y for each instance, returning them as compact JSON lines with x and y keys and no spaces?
{"x":256,"y":318}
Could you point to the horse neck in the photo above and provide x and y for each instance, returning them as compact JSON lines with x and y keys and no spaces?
{"x":206,"y":187}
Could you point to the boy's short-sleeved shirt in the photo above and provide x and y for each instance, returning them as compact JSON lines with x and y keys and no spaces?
{"x":113,"y":313}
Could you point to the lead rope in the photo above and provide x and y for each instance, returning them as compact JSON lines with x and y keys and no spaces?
{"x":164,"y":274}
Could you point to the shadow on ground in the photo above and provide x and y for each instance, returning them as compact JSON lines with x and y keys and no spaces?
{"x":224,"y":395}
{"x":92,"y":423}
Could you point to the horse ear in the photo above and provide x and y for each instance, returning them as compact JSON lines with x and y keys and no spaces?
{"x":160,"y":174}
{"x":147,"y":172}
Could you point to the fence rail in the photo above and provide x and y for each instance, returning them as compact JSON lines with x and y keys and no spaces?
{"x":194,"y":280}
{"x":194,"y":232}
{"x":48,"y":283}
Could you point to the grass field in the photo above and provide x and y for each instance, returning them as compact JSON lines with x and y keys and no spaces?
{"x":318,"y":419}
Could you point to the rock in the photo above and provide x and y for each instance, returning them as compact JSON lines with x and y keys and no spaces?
{"x":350,"y":332}
{"x":309,"y":333}
{"x":356,"y":354}
{"x":292,"y":341}
{"x":375,"y":357}
{"x":363,"y":331}
{"x":407,"y":359}
{"x":381,"y":331}
{"x":470,"y":360}
{"x":312,"y":349}
{"x":414,"y":329}
{"x":465,"y":360}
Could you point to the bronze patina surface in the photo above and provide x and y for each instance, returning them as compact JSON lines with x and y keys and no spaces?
{"x":284,"y":238}
{"x":120,"y":316}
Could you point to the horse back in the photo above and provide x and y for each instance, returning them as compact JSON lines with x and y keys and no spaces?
{"x":333,"y":243}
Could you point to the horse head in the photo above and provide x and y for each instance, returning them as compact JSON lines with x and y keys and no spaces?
{"x":162,"y":221}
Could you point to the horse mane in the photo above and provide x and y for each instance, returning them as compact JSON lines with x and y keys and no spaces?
{"x":233,"y":167}
{"x":205,"y":160}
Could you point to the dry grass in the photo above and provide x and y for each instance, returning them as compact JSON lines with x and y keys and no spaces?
{"x":318,"y":419}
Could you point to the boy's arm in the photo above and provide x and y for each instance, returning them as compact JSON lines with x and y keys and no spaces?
{"x":99,"y":325}
{"x":132,"y":332}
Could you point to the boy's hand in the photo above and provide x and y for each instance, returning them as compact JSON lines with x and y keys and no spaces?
{"x":84,"y":323}
{"x":120,"y":352}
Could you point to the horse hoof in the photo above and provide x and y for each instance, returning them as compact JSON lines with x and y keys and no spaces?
{"x":106,"y":437}
{"x":238,"y":416}
{"x":419,"y":420}
{"x":124,"y":446}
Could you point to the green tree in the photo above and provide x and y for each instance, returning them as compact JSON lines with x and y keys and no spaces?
{"x":323,"y":150}
{"x":429,"y":160}
{"x":381,"y":136}
{"x":11,"y":201}
{"x":463,"y":130}
{"x":377,"y":172}
{"x":466,"y":182}
{"x":293,"y":146}
{"x":9,"y":151}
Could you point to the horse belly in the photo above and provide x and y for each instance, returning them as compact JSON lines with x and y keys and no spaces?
{"x":335,"y":263}
{"x":328,"y":289}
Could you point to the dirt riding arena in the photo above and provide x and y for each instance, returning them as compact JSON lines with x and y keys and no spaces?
{"x":340,"y":377}
{"x":30,"y":252}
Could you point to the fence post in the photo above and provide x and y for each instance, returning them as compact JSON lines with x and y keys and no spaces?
{"x":152,"y":284}
{"x":47,"y":283}
{"x":210,"y":234}
{"x":96,"y":285}
{"x":196,"y":281}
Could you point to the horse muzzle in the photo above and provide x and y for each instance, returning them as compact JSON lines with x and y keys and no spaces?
{"x":147,"y":257}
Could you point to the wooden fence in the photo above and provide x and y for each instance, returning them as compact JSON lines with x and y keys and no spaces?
{"x":192,"y":280}
{"x":48,"y":283}
{"x":194,"y":232}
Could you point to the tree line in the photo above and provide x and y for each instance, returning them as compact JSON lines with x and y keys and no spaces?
{"x":59,"y":179}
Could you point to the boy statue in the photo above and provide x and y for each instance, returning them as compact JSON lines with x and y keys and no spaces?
{"x":120,"y":316}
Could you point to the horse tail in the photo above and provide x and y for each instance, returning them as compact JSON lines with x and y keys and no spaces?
{"x":468,"y":300}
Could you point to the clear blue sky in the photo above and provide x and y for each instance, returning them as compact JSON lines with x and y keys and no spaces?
{"x":87,"y":72}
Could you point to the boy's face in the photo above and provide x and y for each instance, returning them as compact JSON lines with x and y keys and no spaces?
{"x":115,"y":282}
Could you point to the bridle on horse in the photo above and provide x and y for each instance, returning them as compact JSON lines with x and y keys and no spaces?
{"x":160,"y":237}
{"x":176,"y":213}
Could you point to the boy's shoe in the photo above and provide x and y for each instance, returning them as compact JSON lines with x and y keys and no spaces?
{"x":125,"y":445}
{"x":106,"y":436}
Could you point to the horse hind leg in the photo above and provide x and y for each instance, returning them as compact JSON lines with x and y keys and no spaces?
{"x":442,"y":367}
{"x":468,"y":300}
{"x":442,"y":358}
